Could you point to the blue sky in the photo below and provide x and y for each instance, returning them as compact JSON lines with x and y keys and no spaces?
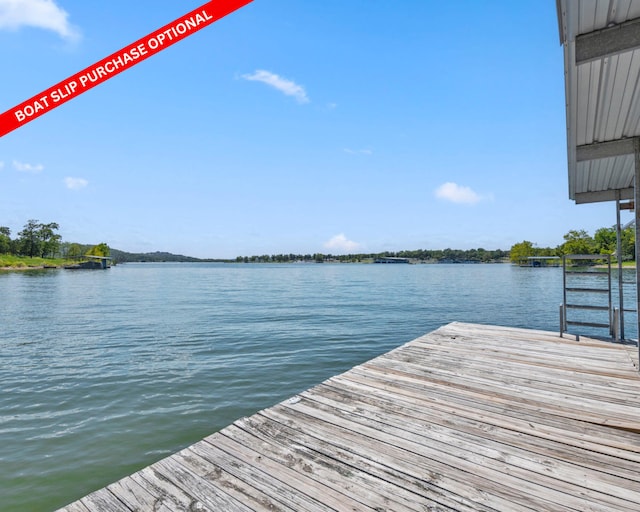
{"x":294,"y":126}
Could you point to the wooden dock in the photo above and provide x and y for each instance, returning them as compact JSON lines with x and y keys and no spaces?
{"x":467,"y":418}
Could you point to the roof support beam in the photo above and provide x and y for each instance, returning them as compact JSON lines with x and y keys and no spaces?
{"x":605,"y":195}
{"x":607,"y":42}
{"x":605,"y":149}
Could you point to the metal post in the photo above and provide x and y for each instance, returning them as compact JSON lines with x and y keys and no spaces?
{"x":610,"y":298}
{"x":561,"y":319}
{"x":636,"y":194}
{"x":564,"y":293}
{"x":619,"y":257}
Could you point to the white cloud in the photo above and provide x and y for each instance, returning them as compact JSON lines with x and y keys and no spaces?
{"x":358,"y":151}
{"x":75,"y":183}
{"x":457,"y":194}
{"x":22,"y":167}
{"x":340,"y":243}
{"x":1,"y":165}
{"x":281,"y":84}
{"x":45,"y":14}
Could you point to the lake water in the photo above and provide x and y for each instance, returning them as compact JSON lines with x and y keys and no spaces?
{"x":104,"y":372}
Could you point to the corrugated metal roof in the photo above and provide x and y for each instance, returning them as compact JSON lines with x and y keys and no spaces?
{"x":601,"y":40}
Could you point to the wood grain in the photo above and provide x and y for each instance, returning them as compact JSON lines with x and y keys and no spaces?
{"x":466,"y":418}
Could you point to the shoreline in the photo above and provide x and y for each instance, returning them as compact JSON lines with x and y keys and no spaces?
{"x":35,"y":267}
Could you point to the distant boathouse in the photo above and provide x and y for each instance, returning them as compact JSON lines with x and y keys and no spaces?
{"x":391,"y":260}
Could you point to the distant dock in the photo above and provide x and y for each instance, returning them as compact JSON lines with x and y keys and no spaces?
{"x":392,"y":260}
{"x":542,"y":261}
{"x":466,"y":418}
{"x":93,"y":263}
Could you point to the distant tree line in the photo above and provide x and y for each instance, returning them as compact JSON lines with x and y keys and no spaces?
{"x":425,"y":255}
{"x":38,"y":239}
{"x":604,"y":241}
{"x":575,"y":242}
{"x":41,"y":240}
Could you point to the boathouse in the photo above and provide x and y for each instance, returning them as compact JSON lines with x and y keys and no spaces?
{"x":541,"y":261}
{"x":93,"y":263}
{"x":601,"y":42}
{"x":387,"y":259}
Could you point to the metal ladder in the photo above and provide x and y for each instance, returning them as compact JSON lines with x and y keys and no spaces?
{"x":580,"y":292}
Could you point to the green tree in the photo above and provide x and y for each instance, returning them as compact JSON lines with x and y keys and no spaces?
{"x":37,"y":239}
{"x":521,"y":251}
{"x":606,"y":240}
{"x":628,"y":243}
{"x":29,"y":243}
{"x":607,"y":243}
{"x":5,"y":240}
{"x":578,"y":242}
{"x":74,"y":251}
{"x":49,"y":239}
{"x":101,"y":249}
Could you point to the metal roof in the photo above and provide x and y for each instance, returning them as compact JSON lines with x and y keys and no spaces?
{"x":601,"y":40}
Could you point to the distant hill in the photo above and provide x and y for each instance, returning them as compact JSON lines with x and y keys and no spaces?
{"x":158,"y":256}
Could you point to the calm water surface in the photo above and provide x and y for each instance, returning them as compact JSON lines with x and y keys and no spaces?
{"x":104,"y":372}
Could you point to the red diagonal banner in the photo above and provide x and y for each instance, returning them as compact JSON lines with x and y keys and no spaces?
{"x":117,"y":62}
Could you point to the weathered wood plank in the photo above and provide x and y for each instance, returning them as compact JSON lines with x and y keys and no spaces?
{"x":359,"y":486}
{"x":458,"y":486}
{"x":317,"y":491}
{"x":250,"y":485}
{"x":76,"y":506}
{"x":431,"y":417}
{"x":466,"y":418}
{"x":622,"y":415}
{"x":459,"y":483}
{"x":515,"y":340}
{"x":103,"y":500}
{"x":407,"y":483}
{"x":200,"y":489}
{"x":545,"y":379}
{"x":606,"y":363}
{"x":133,"y":495}
{"x":495,"y":473}
{"x":464,"y":401}
{"x":632,"y":352}
{"x":512,"y":367}
{"x":452,"y":441}
{"x":169,"y":497}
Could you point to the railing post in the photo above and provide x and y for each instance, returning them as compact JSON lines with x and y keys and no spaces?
{"x":636,"y":199}
{"x":619,"y":258}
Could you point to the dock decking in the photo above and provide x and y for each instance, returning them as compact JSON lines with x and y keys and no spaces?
{"x":467,"y":418}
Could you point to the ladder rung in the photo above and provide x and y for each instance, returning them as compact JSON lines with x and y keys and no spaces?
{"x":594,"y":290}
{"x":585,"y":306}
{"x":587,"y":324}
